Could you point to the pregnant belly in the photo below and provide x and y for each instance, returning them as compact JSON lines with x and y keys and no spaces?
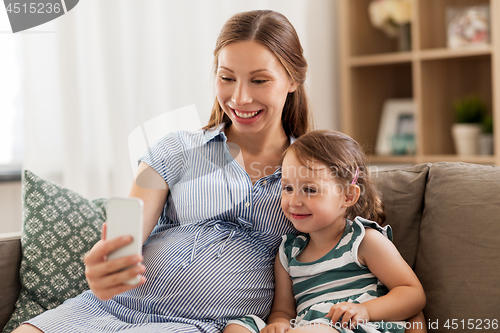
{"x":225,"y":277}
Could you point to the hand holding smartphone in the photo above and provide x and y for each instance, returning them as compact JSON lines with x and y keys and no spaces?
{"x":124,"y":217}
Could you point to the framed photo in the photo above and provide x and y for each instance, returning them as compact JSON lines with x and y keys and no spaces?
{"x":396,"y":133}
{"x":468,"y":26}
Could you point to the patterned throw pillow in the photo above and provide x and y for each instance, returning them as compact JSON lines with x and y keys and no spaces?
{"x":59,"y":227}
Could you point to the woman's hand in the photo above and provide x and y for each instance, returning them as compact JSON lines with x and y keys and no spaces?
{"x":277,"y":327}
{"x":106,"y":278}
{"x":355,"y":313}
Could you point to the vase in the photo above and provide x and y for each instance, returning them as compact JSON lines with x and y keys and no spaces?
{"x":486,"y":144}
{"x":404,"y":38}
{"x":466,"y":138}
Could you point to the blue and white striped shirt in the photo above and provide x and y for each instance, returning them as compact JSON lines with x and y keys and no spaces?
{"x":210,"y":257}
{"x":198,"y":168}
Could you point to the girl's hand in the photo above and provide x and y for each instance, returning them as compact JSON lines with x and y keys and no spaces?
{"x":277,"y":327}
{"x":106,"y":278}
{"x":356,"y":313}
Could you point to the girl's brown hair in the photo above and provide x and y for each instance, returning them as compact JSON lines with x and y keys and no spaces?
{"x":343,"y":156}
{"x":274,"y":31}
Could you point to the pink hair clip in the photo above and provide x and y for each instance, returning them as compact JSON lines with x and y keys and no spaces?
{"x":356,"y":175}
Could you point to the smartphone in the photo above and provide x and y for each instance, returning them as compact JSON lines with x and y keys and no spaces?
{"x":124,"y":217}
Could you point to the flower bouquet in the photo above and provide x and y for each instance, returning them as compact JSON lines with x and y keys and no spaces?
{"x":390,"y":15}
{"x":394,"y":18}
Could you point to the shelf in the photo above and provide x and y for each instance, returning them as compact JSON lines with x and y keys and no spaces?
{"x":391,"y":159}
{"x":475,"y":159}
{"x":406,"y":57}
{"x":443,"y":82}
{"x":381,"y":59}
{"x":433,"y":75}
{"x":432,"y":23}
{"x":445,"y":53}
{"x":363,"y":39}
{"x":375,"y":84}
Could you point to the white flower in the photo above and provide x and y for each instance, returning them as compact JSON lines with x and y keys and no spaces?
{"x":389,"y":15}
{"x":401,"y":11}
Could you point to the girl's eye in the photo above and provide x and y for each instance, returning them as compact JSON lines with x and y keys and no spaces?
{"x":309,"y":190}
{"x":287,"y":188}
{"x":226,"y":79}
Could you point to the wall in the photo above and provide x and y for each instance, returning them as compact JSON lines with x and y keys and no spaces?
{"x":10,"y":207}
{"x":322,"y":53}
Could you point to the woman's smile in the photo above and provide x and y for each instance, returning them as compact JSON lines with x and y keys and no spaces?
{"x":246,"y":114}
{"x":245,"y":117}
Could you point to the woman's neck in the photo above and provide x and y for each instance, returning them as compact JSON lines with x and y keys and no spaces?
{"x":256,"y":144}
{"x":259,"y":154}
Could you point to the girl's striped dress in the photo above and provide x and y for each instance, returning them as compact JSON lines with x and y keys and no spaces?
{"x":210,"y":257}
{"x":336,"y":277}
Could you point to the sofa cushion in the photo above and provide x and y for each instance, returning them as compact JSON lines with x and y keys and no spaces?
{"x":459,"y":252}
{"x":59,"y":227}
{"x":10,"y":258}
{"x":402,"y":193}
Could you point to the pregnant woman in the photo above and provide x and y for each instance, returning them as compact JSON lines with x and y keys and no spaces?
{"x":213,"y":221}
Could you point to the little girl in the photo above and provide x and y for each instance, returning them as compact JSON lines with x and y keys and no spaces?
{"x":342,"y":272}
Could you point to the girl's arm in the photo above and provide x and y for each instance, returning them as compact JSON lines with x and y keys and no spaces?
{"x":283,"y":309}
{"x":406,"y":296}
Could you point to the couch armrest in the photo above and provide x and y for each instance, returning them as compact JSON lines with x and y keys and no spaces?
{"x":10,"y":260}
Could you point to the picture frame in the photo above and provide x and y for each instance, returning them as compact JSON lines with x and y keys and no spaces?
{"x":396,"y":133}
{"x":468,"y":26}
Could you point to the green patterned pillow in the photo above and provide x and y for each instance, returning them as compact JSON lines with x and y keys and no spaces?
{"x":59,"y":227}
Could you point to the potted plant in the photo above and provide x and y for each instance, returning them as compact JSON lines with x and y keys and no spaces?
{"x":470,"y":113}
{"x":486,"y":138}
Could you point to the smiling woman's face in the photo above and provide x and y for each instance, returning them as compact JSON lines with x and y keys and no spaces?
{"x":252,"y":86}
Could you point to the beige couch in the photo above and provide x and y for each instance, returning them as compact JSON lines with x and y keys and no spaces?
{"x":10,"y":260}
{"x":446,"y":222}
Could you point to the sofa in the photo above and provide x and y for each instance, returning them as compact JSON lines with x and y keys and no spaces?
{"x":446,"y":224}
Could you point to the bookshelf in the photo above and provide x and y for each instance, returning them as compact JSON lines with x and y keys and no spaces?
{"x":373,"y":70}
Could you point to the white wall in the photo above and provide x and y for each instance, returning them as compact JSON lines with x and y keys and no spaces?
{"x":323,"y":76}
{"x":10,"y":207}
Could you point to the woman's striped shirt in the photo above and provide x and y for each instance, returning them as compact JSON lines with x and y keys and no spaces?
{"x":210,"y":257}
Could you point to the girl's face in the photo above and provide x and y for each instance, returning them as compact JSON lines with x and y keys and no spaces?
{"x":252,"y":86}
{"x":312,"y":197}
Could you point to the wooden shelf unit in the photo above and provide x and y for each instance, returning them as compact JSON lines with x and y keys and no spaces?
{"x":372,"y":71}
